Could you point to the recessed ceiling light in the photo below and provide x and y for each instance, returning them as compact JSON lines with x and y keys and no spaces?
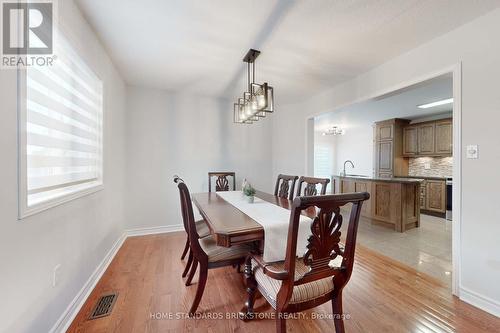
{"x":430,"y":105}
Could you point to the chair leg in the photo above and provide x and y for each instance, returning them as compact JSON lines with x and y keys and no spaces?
{"x":191,"y":273}
{"x":201,"y":287}
{"x":186,"y":248}
{"x":188,"y":265}
{"x":280,"y":322}
{"x":338,"y":312}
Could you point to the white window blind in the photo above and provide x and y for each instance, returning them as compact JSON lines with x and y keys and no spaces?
{"x":323,"y":161}
{"x":63,"y":129}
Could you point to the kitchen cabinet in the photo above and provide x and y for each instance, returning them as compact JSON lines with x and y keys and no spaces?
{"x":388,"y":148}
{"x":436,"y":196}
{"x":433,"y":196}
{"x":343,"y":185}
{"x":385,"y":163}
{"x":385,"y":131}
{"x":432,"y":138}
{"x":410,"y":141}
{"x":426,"y":139}
{"x":423,"y":194}
{"x":444,"y":137}
{"x":393,"y":202}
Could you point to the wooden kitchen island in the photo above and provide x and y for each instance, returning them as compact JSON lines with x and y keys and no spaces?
{"x":394,"y":202}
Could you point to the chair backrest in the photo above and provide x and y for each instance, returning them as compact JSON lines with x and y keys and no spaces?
{"x":188,"y":216}
{"x":222,"y":183}
{"x":324,"y":243}
{"x":310,"y":187}
{"x":285,"y":186}
{"x":178,"y":180}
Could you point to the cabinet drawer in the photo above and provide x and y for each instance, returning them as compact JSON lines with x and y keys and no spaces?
{"x":385,"y":174}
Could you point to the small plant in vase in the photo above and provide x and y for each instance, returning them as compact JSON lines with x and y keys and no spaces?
{"x":249,"y":193}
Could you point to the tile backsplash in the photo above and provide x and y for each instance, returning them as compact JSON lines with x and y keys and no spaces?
{"x":439,"y":166}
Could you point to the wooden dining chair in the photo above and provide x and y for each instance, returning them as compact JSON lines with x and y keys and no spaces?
{"x":298,"y":284}
{"x":285,"y":186}
{"x":203,"y":231}
{"x":205,"y":251}
{"x":310,"y":187}
{"x":222,"y":183}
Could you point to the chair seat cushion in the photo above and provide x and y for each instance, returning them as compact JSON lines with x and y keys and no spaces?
{"x":217,"y":253}
{"x":202,"y":228}
{"x":270,"y":287}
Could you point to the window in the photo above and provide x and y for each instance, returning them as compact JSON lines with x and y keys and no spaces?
{"x":323,"y":161}
{"x":61,"y":116}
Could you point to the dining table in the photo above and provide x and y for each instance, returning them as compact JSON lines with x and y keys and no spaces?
{"x":230,"y":226}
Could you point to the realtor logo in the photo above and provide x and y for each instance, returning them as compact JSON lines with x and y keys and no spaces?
{"x":27,"y":28}
{"x":27,"y":33}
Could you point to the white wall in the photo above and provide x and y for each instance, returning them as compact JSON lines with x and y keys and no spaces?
{"x":172,"y":133}
{"x":476,"y":46}
{"x":77,"y":234}
{"x":288,"y":141}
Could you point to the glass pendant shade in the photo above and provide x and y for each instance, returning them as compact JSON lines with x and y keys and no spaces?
{"x":264,"y":95}
{"x":270,"y":99}
{"x":240,"y":116}
{"x":261,"y":101}
{"x":249,"y":109}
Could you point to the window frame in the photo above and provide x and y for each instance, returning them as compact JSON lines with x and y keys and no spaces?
{"x":23,"y":209}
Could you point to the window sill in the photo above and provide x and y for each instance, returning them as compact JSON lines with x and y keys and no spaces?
{"x":25,"y":212}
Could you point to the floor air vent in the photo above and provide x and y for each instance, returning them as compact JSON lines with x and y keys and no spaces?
{"x":104,"y":306}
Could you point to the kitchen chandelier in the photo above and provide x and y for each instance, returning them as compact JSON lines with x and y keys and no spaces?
{"x":334,"y":130}
{"x":258,"y":100}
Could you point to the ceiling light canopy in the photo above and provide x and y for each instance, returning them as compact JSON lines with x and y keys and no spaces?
{"x":437,"y":103}
{"x":258,"y":100}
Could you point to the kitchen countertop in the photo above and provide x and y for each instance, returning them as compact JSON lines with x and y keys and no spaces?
{"x":390,"y":180}
{"x":427,"y":177}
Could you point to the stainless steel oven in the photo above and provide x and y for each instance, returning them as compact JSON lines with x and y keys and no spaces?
{"x":449,"y":198}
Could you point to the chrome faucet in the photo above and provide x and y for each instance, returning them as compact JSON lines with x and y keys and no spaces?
{"x":347,"y":161}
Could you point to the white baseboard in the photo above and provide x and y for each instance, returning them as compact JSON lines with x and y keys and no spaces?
{"x":480,"y":301}
{"x":76,"y":304}
{"x":154,"y":230}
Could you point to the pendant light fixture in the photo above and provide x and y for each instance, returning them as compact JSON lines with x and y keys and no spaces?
{"x":258,"y":100}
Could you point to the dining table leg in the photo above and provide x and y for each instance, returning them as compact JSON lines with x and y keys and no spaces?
{"x":247,"y":313}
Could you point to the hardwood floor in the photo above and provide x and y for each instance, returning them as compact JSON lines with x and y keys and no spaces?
{"x":382,"y":296}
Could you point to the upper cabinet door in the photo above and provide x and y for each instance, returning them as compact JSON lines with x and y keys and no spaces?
{"x":426,"y":139}
{"x":385,"y":132}
{"x":410,"y":141}
{"x":444,"y":137}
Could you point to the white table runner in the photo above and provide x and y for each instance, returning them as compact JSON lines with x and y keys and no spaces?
{"x":275,"y":221}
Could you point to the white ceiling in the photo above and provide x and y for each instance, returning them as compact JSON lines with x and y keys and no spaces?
{"x":399,"y":104}
{"x":307,"y":46}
